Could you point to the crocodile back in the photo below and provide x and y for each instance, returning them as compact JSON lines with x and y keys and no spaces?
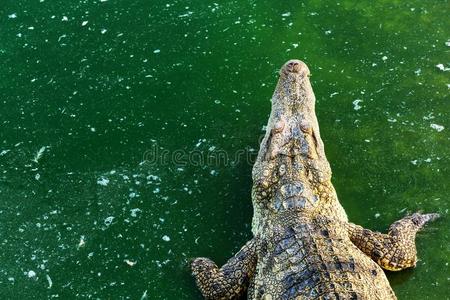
{"x":306,"y":258}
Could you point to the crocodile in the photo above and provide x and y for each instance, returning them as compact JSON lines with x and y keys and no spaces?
{"x":303,"y":245}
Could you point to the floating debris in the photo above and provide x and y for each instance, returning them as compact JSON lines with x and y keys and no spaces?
{"x":166,"y":238}
{"x":144,"y":295}
{"x":356,"y":105}
{"x":103,"y":181}
{"x":108,"y":221}
{"x":82,"y":242}
{"x":31,"y":274}
{"x":437,"y":127}
{"x":134,"y":212}
{"x":39,"y":154}
{"x":130,"y":263}
{"x":49,"y":280}
{"x":442,"y":67}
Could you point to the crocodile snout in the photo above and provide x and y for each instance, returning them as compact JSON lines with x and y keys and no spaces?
{"x":295,"y":66}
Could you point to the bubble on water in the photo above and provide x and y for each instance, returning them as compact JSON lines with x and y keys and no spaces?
{"x":12,"y":16}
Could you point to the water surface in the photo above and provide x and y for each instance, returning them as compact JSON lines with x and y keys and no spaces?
{"x":93,"y":91}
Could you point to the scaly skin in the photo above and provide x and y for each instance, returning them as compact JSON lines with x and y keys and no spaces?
{"x":303,"y":245}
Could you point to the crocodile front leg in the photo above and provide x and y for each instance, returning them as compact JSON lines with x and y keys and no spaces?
{"x":395,"y":250}
{"x":230,"y":281}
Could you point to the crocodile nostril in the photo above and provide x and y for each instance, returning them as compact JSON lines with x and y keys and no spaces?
{"x":294,"y":66}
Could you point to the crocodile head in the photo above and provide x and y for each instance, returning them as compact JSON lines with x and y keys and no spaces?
{"x":291,"y":167}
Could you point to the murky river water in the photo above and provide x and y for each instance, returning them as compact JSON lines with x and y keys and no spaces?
{"x":128,"y":128}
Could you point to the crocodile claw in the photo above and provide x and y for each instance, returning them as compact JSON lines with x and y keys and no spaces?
{"x":421,"y":219}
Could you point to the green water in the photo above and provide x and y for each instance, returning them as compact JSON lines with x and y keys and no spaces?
{"x":92,"y":91}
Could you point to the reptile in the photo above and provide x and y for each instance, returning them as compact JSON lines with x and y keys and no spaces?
{"x":303,"y":245}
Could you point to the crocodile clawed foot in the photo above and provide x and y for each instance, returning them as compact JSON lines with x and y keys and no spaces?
{"x":201,"y":264}
{"x":420,"y":219}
